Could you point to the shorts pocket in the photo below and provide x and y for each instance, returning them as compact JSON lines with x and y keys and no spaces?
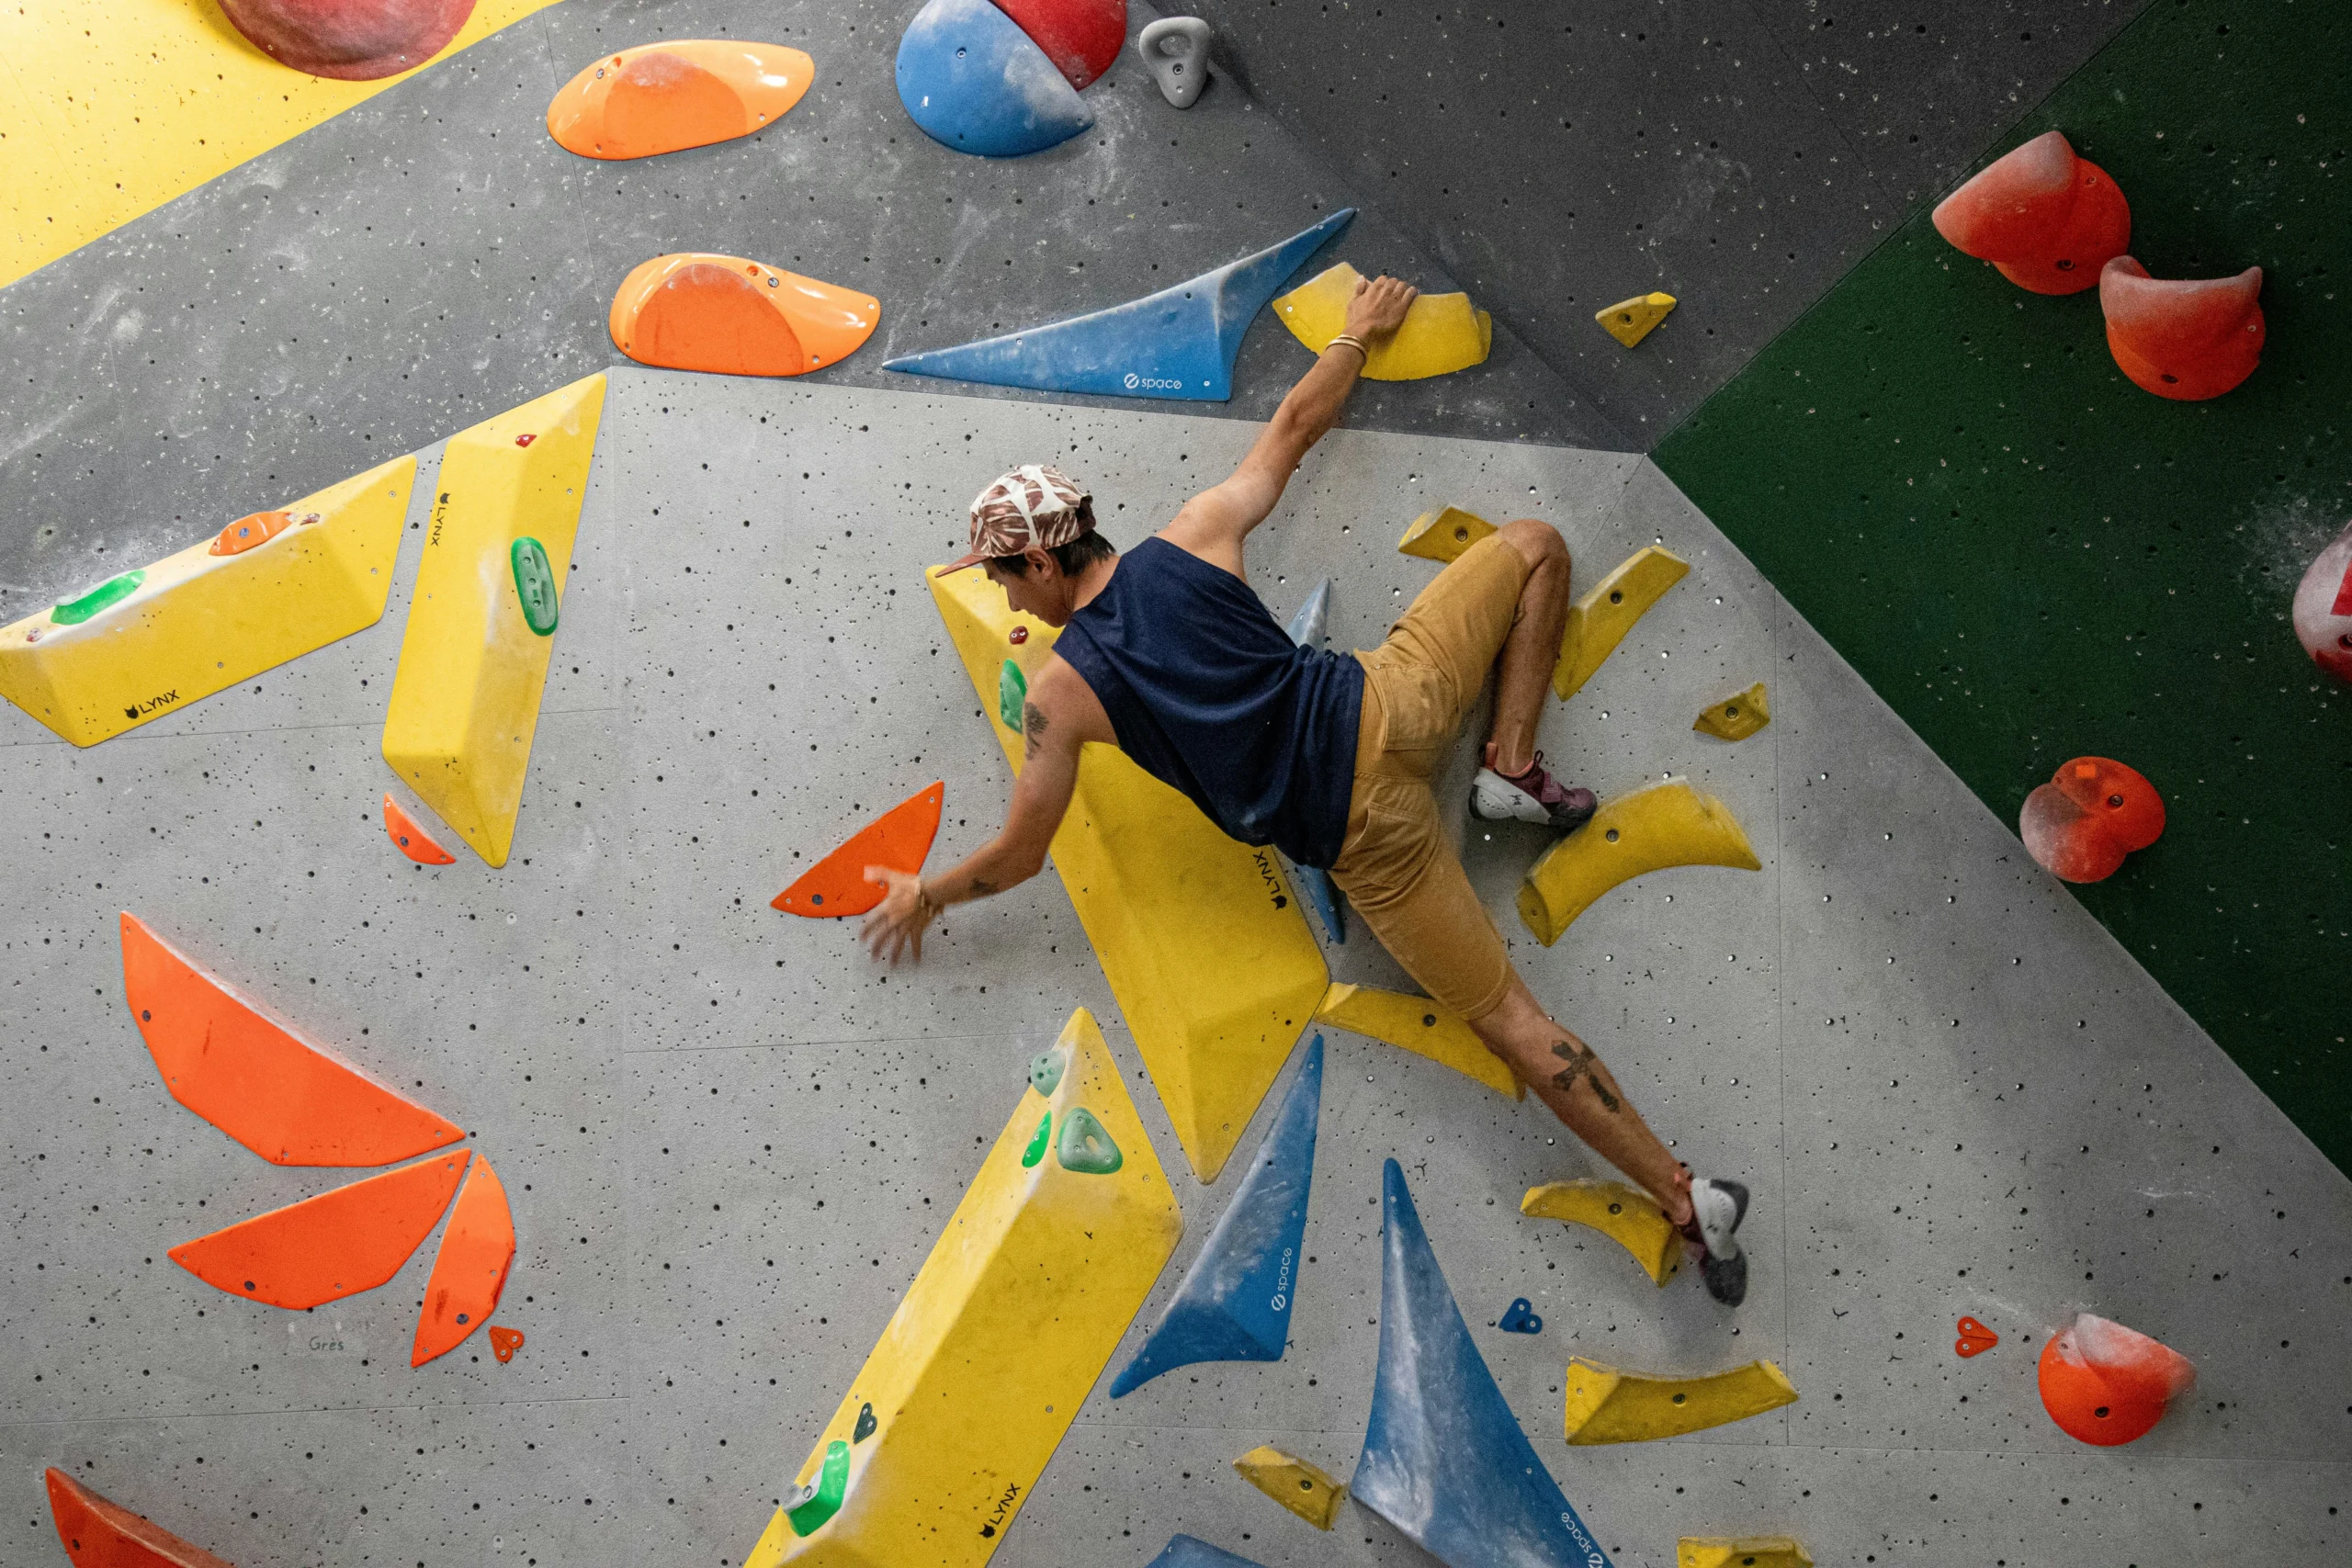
{"x":1416,"y":706}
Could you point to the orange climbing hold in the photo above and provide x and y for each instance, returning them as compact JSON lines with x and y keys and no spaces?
{"x":665,"y":97}
{"x":284,"y":1098}
{"x":2092,"y":813}
{"x":901,"y":839}
{"x":695,"y":310}
{"x":98,"y":1533}
{"x":505,"y":1342}
{"x":476,"y":1251}
{"x":258,"y":529}
{"x":335,"y":1244}
{"x":2107,"y":1384}
{"x":2185,"y":338}
{"x":1975,"y":1339}
{"x":2046,"y":219}
{"x":413,"y":840}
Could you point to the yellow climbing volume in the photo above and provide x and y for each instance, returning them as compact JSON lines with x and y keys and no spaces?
{"x":1419,"y":1025}
{"x":1660,"y":825}
{"x":465,"y":697}
{"x":993,"y":1348}
{"x":1605,"y":1405}
{"x":1599,"y":621}
{"x":1626,"y":1215}
{"x":1443,"y":333}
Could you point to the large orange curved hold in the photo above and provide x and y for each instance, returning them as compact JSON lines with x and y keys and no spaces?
{"x":695,"y":310}
{"x":284,"y":1098}
{"x":661,"y":97}
{"x":2048,"y":220}
{"x":98,"y":1533}
{"x":2186,"y":338}
{"x":901,"y":839}
{"x":476,"y":1250}
{"x":353,"y":40}
{"x":335,"y":1244}
{"x":2106,"y":1384}
{"x":410,"y":839}
{"x":1082,"y":38}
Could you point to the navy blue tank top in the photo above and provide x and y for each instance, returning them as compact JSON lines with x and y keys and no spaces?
{"x":1209,"y":694}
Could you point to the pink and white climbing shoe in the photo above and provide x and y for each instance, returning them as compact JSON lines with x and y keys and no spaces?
{"x":1531,"y":797}
{"x":1716,"y":1208}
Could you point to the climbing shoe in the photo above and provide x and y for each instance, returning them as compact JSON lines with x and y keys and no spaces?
{"x":1531,"y":797}
{"x":1716,"y":1209}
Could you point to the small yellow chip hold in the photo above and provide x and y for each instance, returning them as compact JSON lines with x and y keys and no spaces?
{"x":1443,"y":535}
{"x":1631,"y":321}
{"x":1748,"y":1552}
{"x":1605,"y":1405}
{"x":1441,"y":333}
{"x":1737,"y":718}
{"x":1599,"y":621}
{"x":1626,"y":1215}
{"x":1422,"y":1026}
{"x":1297,"y":1486}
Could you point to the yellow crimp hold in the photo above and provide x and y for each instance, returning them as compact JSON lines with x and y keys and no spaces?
{"x":993,"y":1348}
{"x":1441,"y":333}
{"x":1599,"y":621}
{"x":1297,"y":1486}
{"x":465,"y":697}
{"x":1442,"y":535}
{"x":1626,"y":1215}
{"x":199,"y":622}
{"x":1203,"y":940}
{"x":1737,"y":718}
{"x":1422,"y":1026}
{"x":1605,"y":1405}
{"x":1631,"y":321}
{"x":1657,"y":826}
{"x":1751,"y":1552}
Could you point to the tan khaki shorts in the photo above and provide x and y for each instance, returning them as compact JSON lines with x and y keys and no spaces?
{"x":1396,"y":866}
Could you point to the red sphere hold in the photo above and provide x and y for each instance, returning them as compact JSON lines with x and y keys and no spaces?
{"x":2323,"y":612}
{"x":354,"y":40}
{"x":2188,"y":338}
{"x":2048,"y":220}
{"x":2106,"y":1384}
{"x":2092,"y":813}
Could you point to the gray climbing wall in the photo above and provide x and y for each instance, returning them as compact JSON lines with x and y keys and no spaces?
{"x":730,"y":1140}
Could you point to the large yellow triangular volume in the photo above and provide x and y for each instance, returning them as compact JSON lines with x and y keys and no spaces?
{"x":995,"y":1345}
{"x":1201,"y":938}
{"x":196,"y":623}
{"x":1660,"y":825}
{"x":1599,"y":621}
{"x":466,"y":699}
{"x":1442,"y":331}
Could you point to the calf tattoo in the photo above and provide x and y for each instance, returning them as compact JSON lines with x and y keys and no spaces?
{"x":1582,"y":1063}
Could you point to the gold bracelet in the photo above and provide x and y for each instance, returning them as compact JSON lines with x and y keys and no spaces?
{"x":1352,"y":342}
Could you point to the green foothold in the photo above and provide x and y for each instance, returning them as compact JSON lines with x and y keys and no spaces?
{"x":1012,"y":691}
{"x":1036,"y":1149}
{"x":1045,"y":1072}
{"x":534,"y":584}
{"x":113,"y":590}
{"x":1086,"y":1147}
{"x":866,"y":1424}
{"x":812,"y":1504}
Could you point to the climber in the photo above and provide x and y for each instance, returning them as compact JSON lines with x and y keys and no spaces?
{"x":1166,"y":653}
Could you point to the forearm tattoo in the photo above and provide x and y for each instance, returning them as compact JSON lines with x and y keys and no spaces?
{"x":1582,"y":1063}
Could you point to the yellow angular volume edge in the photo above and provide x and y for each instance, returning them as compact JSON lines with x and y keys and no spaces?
{"x":198,"y":622}
{"x":1605,"y":1405}
{"x":1012,"y":1319}
{"x":1443,"y":333}
{"x":1737,"y":717}
{"x":1599,"y":621}
{"x":1746,"y":1551}
{"x":1301,"y":1487}
{"x":1443,"y":534}
{"x":1420,"y":1025}
{"x":466,"y":698}
{"x":1631,"y":321}
{"x":1626,"y":1215}
{"x":1657,"y":826}
{"x":1203,"y":940}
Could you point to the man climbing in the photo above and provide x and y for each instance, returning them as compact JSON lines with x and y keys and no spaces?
{"x":1166,"y":653}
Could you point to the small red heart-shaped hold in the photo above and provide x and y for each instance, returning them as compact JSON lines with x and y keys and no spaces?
{"x":505,"y":1342}
{"x":1975,"y":1339}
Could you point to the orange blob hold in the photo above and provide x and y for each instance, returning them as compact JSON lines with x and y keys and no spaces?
{"x":470,"y":1270}
{"x":2106,"y":1384}
{"x":1975,"y":1339}
{"x":505,"y":1342}
{"x":2186,"y":338}
{"x":695,"y":310}
{"x":901,"y":839}
{"x":2093,"y":812}
{"x":665,"y":97}
{"x":2048,"y":220}
{"x":98,"y":1533}
{"x":284,"y":1098}
{"x":413,"y":840}
{"x":1082,"y":38}
{"x":335,"y":1244}
{"x":246,"y":532}
{"x":352,"y":40}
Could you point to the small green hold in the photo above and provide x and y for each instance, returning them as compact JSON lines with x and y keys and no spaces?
{"x":866,"y":1424}
{"x":1012,"y":691}
{"x":113,"y":590}
{"x":534,"y":584}
{"x":1086,"y":1147}
{"x":1036,"y":1149}
{"x":812,"y":1504}
{"x":1045,"y":1072}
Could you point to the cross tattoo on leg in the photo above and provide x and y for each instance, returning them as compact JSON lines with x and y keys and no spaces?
{"x":1582,"y":1063}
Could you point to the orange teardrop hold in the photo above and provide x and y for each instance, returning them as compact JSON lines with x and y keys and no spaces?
{"x":695,"y":310}
{"x":410,"y":839}
{"x":281,"y":1096}
{"x":476,"y":1250}
{"x":101,"y":1534}
{"x":2045,"y":218}
{"x":2188,"y":338}
{"x":661,"y":97}
{"x":2106,"y":1384}
{"x":335,"y":1244}
{"x":901,"y":839}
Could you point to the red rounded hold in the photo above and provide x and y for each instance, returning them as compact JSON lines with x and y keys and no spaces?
{"x":1081,"y":37}
{"x":2186,"y":338}
{"x":356,"y":40}
{"x":2048,"y":220}
{"x":2106,"y":1384}
{"x":2092,"y":813}
{"x":2323,"y":612}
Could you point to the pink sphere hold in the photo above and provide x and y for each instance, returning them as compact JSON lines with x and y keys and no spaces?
{"x":353,"y":40}
{"x":2323,"y":612}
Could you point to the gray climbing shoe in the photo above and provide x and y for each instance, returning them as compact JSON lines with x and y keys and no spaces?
{"x":1531,"y":797}
{"x":1716,"y":1209}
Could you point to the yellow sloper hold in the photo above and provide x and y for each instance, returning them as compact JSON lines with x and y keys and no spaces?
{"x":1442,"y":535}
{"x":1441,"y":333}
{"x":1609,"y":1406}
{"x":1631,"y":321}
{"x":1419,"y":1025}
{"x":993,"y":1348}
{"x":1202,"y":939}
{"x":1599,"y":621}
{"x":1737,"y":718}
{"x":465,"y":697}
{"x":1626,"y":1215}
{"x":198,"y":622}
{"x":1748,"y":1552}
{"x":1657,"y":826}
{"x":1297,"y":1486}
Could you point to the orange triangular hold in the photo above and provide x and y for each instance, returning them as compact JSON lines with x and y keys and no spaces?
{"x":101,"y":1534}
{"x":476,"y":1250}
{"x":410,"y":839}
{"x":284,"y":1098}
{"x":898,"y":838}
{"x":505,"y":1342}
{"x":335,"y":1244}
{"x":664,"y":97}
{"x":699,"y":310}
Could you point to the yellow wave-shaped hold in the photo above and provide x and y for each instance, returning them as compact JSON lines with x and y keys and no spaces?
{"x":1626,"y":1215}
{"x":1737,"y":717}
{"x":1660,"y":825}
{"x":1420,"y":1025}
{"x":1598,"y":620}
{"x":1748,"y":1552}
{"x":1605,"y":1405}
{"x":1443,"y":333}
{"x":1445,"y":534}
{"x":1301,"y":1487}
